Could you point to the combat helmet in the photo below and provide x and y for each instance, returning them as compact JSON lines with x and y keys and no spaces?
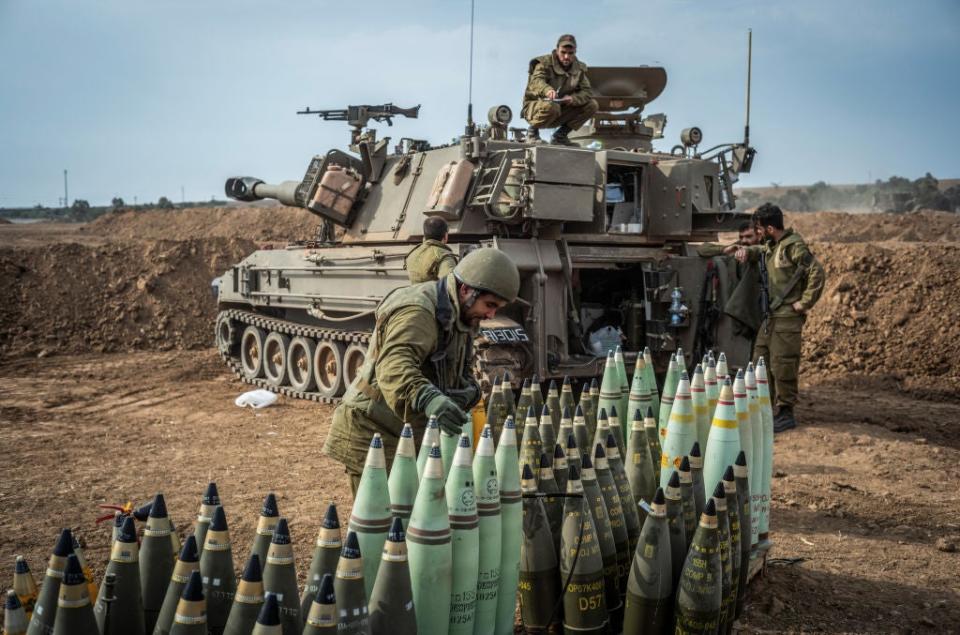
{"x":489,"y":270}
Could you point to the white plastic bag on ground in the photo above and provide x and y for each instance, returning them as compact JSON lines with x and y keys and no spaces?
{"x":259,"y":398}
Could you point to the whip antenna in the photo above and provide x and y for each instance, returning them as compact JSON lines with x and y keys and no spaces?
{"x":746,"y":127}
{"x":470,"y":129}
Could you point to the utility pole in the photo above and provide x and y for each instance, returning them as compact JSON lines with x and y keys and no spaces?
{"x":66,"y":197}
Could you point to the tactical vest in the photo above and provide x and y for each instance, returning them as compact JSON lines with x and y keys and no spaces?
{"x":781,"y":270}
{"x":423,"y":261}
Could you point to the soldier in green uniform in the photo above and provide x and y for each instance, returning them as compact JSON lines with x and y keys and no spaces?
{"x":431,"y":259}
{"x":419,"y":361}
{"x":796,"y":281}
{"x":558,"y":92}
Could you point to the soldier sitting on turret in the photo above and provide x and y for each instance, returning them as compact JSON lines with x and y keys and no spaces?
{"x":558,"y":92}
{"x":431,"y":259}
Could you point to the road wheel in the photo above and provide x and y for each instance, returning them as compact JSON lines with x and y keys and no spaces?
{"x":275,"y":358}
{"x":226,"y":335}
{"x":251,"y":352}
{"x":300,"y":363}
{"x":352,"y":361}
{"x":328,"y":369}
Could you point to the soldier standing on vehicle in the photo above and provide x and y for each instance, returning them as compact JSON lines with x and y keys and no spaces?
{"x":419,"y":362}
{"x":558,"y":92}
{"x":796,"y":281}
{"x":431,"y":259}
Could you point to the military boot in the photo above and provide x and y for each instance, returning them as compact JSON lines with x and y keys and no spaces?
{"x":532,"y":135}
{"x":784,"y":420}
{"x":560,"y":136}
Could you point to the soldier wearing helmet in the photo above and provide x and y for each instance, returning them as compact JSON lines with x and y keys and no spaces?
{"x":420,"y":359}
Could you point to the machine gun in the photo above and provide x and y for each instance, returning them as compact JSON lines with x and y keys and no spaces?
{"x":764,"y":293}
{"x":358,"y":116}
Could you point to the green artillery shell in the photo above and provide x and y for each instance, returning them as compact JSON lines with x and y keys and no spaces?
{"x":465,"y":539}
{"x":699,"y":594}
{"x":509,"y":399}
{"x":581,"y":564}
{"x":520,"y":410}
{"x":322,"y":617}
{"x":487,"y":490}
{"x":268,"y":621}
{"x":610,"y":394}
{"x":696,"y":472}
{"x":496,"y":408}
{"x":429,"y":549}
{"x":733,"y":516}
{"x":431,"y":437}
{"x":712,"y":390}
{"x":613,"y":422}
{"x":511,"y":519}
{"x":590,"y":408}
{"x":188,"y":561}
{"x":531,"y":445}
{"x":724,"y":443}
{"x":247,"y":600}
{"x":448,"y":447}
{"x":722,"y":370}
{"x":640,"y":465}
{"x":14,"y":617}
{"x":741,"y":402}
{"x":595,"y":401}
{"x":126,"y":612}
{"x":670,"y":383}
{"x":603,"y":429}
{"x":567,"y":399}
{"x":24,"y":586}
{"x":353,"y":614}
{"x":548,"y":434}
{"x":280,"y":578}
{"x":639,"y":398}
{"x":678,"y":536}
{"x":87,"y":571}
{"x":580,"y":429}
{"x":757,"y":445}
{"x":536,"y":400}
{"x":216,"y":568}
{"x":766,"y":452}
{"x":552,"y":504}
{"x":681,"y":360}
{"x":698,"y":398}
{"x":209,"y":503}
{"x":266,"y":523}
{"x":74,"y":613}
{"x":559,"y":465}
{"x":156,"y":561}
{"x":650,"y":379}
{"x":573,"y":452}
{"x":742,"y":478}
{"x":630,"y":510}
{"x":653,"y":440}
{"x":191,"y":614}
{"x":727,"y":590}
{"x":681,"y":430}
{"x":45,"y":609}
{"x":403,"y":481}
{"x":566,"y":429}
{"x":649,"y":603}
{"x":391,"y":604}
{"x":686,"y":500}
{"x":608,"y":545}
{"x":611,"y":500}
{"x":371,"y":517}
{"x":326,"y":554}
{"x":553,"y":403}
{"x":624,"y":380}
{"x":539,"y":574}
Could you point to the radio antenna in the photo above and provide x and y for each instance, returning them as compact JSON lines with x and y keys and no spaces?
{"x":470,"y":127}
{"x":746,"y":127}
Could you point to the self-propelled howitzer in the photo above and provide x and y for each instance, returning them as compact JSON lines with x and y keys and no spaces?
{"x":601,"y":232}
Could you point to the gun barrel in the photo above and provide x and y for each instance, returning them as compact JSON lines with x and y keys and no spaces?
{"x":248,"y":188}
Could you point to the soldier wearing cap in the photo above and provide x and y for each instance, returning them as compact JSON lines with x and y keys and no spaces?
{"x":558,"y":92}
{"x":419,"y":363}
{"x":431,"y":259}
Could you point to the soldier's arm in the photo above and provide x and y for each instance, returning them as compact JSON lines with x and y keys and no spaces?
{"x":816,"y":277}
{"x":539,"y":83}
{"x":709,"y":250}
{"x":409,"y":338}
{"x":584,"y":92}
{"x":446,"y":265}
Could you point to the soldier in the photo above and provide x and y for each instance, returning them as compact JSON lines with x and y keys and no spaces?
{"x":558,"y":92}
{"x":796,"y":281}
{"x":419,"y":361}
{"x":431,"y":259}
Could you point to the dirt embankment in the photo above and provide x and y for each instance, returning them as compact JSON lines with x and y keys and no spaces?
{"x":924,"y":226}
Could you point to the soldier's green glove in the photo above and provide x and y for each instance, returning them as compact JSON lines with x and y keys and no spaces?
{"x":433,"y":403}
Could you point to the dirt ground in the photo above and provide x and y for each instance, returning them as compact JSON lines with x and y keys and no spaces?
{"x":866,"y":504}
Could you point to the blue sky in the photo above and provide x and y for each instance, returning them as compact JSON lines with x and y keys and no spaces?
{"x":139,"y":99}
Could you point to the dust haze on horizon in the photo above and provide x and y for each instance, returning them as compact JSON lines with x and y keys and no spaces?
{"x":141,"y":99}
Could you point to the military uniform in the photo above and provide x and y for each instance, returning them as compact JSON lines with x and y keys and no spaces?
{"x":743,"y":302}
{"x":412,"y":324}
{"x":545,"y":74}
{"x":430,"y":260}
{"x":778,"y":340}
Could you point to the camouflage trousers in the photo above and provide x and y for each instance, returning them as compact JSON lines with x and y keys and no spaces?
{"x":546,"y":114}
{"x":778,"y":342}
